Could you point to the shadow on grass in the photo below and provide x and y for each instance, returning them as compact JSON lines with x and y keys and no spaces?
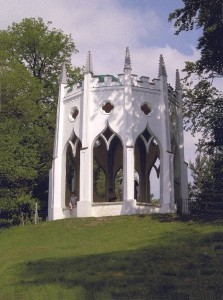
{"x":187,"y":268}
{"x":199,"y":218}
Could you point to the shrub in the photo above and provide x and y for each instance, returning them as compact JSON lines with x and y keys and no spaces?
{"x":26,"y":206}
{"x":13,"y":210}
{"x":4,"y":223}
{"x":9,"y":211}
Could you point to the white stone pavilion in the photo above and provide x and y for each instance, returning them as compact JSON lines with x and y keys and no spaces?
{"x":116,"y":137}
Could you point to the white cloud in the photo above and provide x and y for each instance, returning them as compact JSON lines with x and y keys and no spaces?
{"x":146,"y":61}
{"x":106,"y":27}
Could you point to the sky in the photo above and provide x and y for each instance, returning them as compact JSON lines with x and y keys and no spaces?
{"x":107,"y":27}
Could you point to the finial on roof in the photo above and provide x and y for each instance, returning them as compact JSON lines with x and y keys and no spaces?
{"x":177,"y":85}
{"x":127,"y":65}
{"x":63,"y":75}
{"x":89,"y":65}
{"x":162,"y":68}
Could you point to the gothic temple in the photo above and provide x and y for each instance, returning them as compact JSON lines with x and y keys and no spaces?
{"x":119,"y":145}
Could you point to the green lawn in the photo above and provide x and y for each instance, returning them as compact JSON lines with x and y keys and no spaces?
{"x":127,"y":257}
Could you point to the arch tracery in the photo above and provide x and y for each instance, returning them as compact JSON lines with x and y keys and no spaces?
{"x":128,"y":163}
{"x":72,"y":168}
{"x":108,"y":154}
{"x":147,"y":159}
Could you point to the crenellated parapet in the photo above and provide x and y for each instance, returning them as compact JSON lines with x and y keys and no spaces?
{"x":74,"y":88}
{"x":124,"y":132}
{"x":106,"y":81}
{"x":98,"y":81}
{"x":143,"y":82}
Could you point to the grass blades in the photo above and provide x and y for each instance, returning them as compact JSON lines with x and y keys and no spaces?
{"x":126,"y":257}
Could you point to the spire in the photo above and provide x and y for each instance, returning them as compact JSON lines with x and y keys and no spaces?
{"x":89,"y":65}
{"x":162,"y":68}
{"x":177,"y":85}
{"x":63,"y":75}
{"x":127,"y":65}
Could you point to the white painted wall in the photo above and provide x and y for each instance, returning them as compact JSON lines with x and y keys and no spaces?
{"x":127,"y":120}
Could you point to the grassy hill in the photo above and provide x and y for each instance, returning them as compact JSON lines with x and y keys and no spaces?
{"x":127,"y":257}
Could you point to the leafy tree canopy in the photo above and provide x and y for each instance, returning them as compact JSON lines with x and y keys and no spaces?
{"x":42,"y":51}
{"x":201,"y":172}
{"x":203,"y":103}
{"x":31,"y":58}
{"x":206,"y":15}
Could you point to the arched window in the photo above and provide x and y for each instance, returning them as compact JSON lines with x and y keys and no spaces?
{"x":147,"y":165}
{"x":108,"y":160}
{"x":72,"y":168}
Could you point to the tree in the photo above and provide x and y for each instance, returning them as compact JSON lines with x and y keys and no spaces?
{"x":31,"y":58}
{"x":201,"y":98}
{"x":19,"y":113}
{"x":203,"y":113}
{"x":42,"y":51}
{"x":203,"y":103}
{"x":207,"y":16}
{"x":201,"y":172}
{"x":206,"y":190}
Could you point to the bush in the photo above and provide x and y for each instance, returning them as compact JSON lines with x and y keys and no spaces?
{"x":9,"y":211}
{"x":12,"y":210}
{"x":26,"y":206}
{"x":195,"y":207}
{"x":4,"y":223}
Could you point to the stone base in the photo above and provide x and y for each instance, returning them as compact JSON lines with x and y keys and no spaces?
{"x":84,"y":209}
{"x":167,"y":208}
{"x":56,"y":213}
{"x":129,"y":207}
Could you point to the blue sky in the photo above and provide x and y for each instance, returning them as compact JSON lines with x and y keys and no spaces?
{"x":165,"y":35}
{"x":140,"y":24}
{"x":107,"y":27}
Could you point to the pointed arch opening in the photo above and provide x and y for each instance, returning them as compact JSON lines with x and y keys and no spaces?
{"x":176,"y":171}
{"x":119,"y":184}
{"x":108,"y":164}
{"x":147,"y":166}
{"x":154,"y":180}
{"x":72,"y":169}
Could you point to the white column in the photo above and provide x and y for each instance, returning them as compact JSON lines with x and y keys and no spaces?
{"x":84,"y":205}
{"x":56,"y":204}
{"x":50,"y":195}
{"x":129,"y":202}
{"x":167,"y":180}
{"x":128,"y":160}
{"x":184,"y":188}
{"x":183,"y":165}
{"x":167,"y":183}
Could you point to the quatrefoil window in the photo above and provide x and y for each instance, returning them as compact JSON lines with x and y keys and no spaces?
{"x":74,"y":112}
{"x":146,"y":109}
{"x":107,"y":107}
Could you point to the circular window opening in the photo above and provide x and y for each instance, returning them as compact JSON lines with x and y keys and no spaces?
{"x":146,"y":109}
{"x":73,"y":114}
{"x":108,"y":107}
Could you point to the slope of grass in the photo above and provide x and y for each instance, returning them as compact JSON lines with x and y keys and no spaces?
{"x":127,"y":257}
